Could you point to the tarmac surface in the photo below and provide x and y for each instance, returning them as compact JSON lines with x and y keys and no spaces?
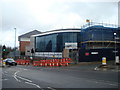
{"x":81,"y":75}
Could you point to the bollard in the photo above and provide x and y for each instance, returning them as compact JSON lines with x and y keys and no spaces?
{"x":104,"y":61}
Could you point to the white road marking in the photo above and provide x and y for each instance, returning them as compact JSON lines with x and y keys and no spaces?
{"x":26,"y":80}
{"x":33,"y":84}
{"x":51,"y":88}
{"x":16,"y":79}
{"x":16,"y":76}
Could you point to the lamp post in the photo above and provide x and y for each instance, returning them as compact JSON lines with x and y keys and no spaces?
{"x":117,"y":62}
{"x":115,"y":44}
{"x":15,"y":44}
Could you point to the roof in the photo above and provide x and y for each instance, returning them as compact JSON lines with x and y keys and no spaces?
{"x":27,"y":35}
{"x":58,"y":31}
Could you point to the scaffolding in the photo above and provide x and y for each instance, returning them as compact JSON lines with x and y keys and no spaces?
{"x":100,"y":35}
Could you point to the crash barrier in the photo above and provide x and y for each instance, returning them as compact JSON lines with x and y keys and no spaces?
{"x":53,"y":62}
{"x":23,"y":62}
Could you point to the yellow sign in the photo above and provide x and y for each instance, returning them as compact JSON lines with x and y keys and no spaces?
{"x":104,"y":60}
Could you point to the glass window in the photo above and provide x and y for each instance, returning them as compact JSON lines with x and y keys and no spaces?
{"x":55,"y":42}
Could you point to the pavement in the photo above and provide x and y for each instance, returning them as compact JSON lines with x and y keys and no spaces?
{"x":97,"y":66}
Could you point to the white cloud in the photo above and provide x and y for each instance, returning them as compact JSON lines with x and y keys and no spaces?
{"x":43,"y":15}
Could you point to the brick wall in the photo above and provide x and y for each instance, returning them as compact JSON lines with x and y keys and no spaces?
{"x":23,"y":44}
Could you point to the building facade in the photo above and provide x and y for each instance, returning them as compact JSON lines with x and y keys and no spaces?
{"x":53,"y":43}
{"x":98,"y":41}
{"x":90,"y":43}
{"x":24,"y":41}
{"x":99,"y":37}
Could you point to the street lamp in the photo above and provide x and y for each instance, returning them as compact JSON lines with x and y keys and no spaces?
{"x":15,"y":44}
{"x":116,"y":57}
{"x":115,"y":43}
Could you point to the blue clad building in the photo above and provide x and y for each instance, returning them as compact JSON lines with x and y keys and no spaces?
{"x":99,"y":37}
{"x":99,"y":40}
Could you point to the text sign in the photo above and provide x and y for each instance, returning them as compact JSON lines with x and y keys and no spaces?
{"x":70,"y":45}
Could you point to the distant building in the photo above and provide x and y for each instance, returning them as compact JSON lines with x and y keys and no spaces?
{"x":24,"y":40}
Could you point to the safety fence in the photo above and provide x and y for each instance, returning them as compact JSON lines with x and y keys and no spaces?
{"x":46,"y":63}
{"x":23,"y":62}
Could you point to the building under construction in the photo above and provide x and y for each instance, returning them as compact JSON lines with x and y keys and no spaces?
{"x":99,"y":40}
{"x":99,"y":36}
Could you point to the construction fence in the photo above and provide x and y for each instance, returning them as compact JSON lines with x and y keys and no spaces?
{"x":45,"y":63}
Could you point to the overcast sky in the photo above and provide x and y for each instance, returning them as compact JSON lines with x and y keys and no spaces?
{"x":44,"y":15}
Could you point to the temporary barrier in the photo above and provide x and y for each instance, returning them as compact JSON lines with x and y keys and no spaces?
{"x":27,"y":62}
{"x":23,"y":62}
{"x":36,"y":63}
{"x":45,"y":63}
{"x":57,"y":62}
{"x":63,"y":63}
{"x":40,"y":63}
{"x":52,"y":62}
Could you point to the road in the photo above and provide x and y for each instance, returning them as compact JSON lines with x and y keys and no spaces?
{"x":51,"y":78}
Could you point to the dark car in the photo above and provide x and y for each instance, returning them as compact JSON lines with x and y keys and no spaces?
{"x":10,"y":61}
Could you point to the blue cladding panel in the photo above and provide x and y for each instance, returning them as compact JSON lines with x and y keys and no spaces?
{"x":99,"y":34}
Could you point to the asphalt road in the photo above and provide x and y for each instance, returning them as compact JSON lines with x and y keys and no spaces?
{"x":52,"y":78}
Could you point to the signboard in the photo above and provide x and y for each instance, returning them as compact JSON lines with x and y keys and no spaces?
{"x":70,"y":45}
{"x":94,"y":52}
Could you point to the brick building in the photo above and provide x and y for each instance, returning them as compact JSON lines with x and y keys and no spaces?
{"x":24,"y":40}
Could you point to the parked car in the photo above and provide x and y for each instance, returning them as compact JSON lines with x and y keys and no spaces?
{"x":10,"y":61}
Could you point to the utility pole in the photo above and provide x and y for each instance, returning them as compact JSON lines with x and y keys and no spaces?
{"x":15,"y":44}
{"x":117,"y":61}
{"x":115,"y":34}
